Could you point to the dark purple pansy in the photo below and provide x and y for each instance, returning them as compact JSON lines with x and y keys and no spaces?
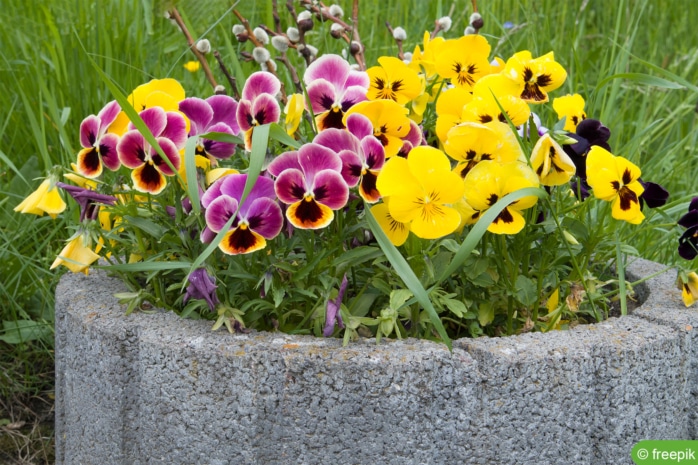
{"x":202,"y":286}
{"x":688,"y":242}
{"x":258,"y":219}
{"x":333,"y":87}
{"x":654,"y":195}
{"x":310,"y":182}
{"x":99,"y":146}
{"x":589,"y":132}
{"x":88,"y":200}
{"x":215,"y":114}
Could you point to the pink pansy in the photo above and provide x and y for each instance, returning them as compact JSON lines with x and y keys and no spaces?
{"x":362,"y":154}
{"x":333,"y":87}
{"x":215,"y":114}
{"x":258,"y":104}
{"x":99,"y":146}
{"x":311,"y":183}
{"x":413,"y":139}
{"x":149,"y":168}
{"x":258,"y":220}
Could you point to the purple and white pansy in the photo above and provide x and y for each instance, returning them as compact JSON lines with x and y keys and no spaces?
{"x":99,"y":145}
{"x":217,"y":113}
{"x":258,"y":104}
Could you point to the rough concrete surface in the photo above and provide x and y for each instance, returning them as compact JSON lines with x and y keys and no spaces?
{"x":155,"y":389}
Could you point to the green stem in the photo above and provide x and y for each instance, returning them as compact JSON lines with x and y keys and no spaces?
{"x":620,"y":267}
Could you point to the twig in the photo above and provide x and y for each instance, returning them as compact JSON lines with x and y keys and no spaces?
{"x":358,"y":55}
{"x":400,"y":53}
{"x":224,"y":70}
{"x":192,"y":46}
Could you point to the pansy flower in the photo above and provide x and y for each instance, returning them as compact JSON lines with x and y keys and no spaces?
{"x":471,"y":143}
{"x":99,"y":146}
{"x":215,"y":114}
{"x":362,"y":154}
{"x":414,"y":138}
{"x":449,"y":108}
{"x":259,"y":218}
{"x":202,"y":286}
{"x":688,"y":242}
{"x":310,"y":182}
{"x":493,"y":93}
{"x":397,"y":231}
{"x":589,"y":132}
{"x":389,"y":120}
{"x":551,"y":163}
{"x":164,"y":93}
{"x":333,"y":88}
{"x":421,"y":189}
{"x":464,"y":61}
{"x":149,"y":168}
{"x":45,"y":199}
{"x":393,"y":80}
{"x":615,"y":179}
{"x":258,"y":104}
{"x":77,"y":255}
{"x":570,"y":107}
{"x":88,"y":199}
{"x":538,"y":75}
{"x":488,"y":182}
{"x":426,"y":59}
{"x":689,"y":288}
{"x":294,"y":109}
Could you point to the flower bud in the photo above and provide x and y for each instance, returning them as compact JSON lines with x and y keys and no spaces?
{"x":219,"y":90}
{"x":203,"y":46}
{"x":238,"y":29}
{"x":261,"y":35}
{"x":408,"y":57}
{"x":469,"y":31}
{"x":399,"y":33}
{"x":476,"y":20}
{"x":336,"y":30}
{"x":266,"y":66}
{"x":313,"y":51}
{"x":336,"y":11}
{"x":280,"y":43}
{"x":261,"y":54}
{"x":293,"y":34}
{"x":354,"y":47}
{"x":305,"y":21}
{"x":445,"y":23}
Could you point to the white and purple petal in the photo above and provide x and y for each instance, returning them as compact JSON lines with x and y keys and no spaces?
{"x":89,"y":131}
{"x":314,"y":158}
{"x":351,"y":97}
{"x":265,"y":217}
{"x":172,"y":154}
{"x":290,"y":186}
{"x":108,"y":114}
{"x":337,"y":140}
{"x":322,"y":95}
{"x":216,"y":148}
{"x":260,"y":83}
{"x":265,"y":109}
{"x":220,"y":211}
{"x":244,"y":116}
{"x":131,"y":149}
{"x":176,"y":129}
{"x":332,"y":68}
{"x":155,"y":118}
{"x":357,"y":78}
{"x":352,"y":166}
{"x":373,"y":152}
{"x":359,"y":125}
{"x":107,"y":150}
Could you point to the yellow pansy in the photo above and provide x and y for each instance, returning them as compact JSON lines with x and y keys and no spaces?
{"x":393,"y":80}
{"x":295,"y":106}
{"x":45,"y":199}
{"x":449,"y":108}
{"x":495,"y":91}
{"x":615,"y":179}
{"x":552,"y":165}
{"x":464,"y":61}
{"x":396,"y":231}
{"x":471,"y":143}
{"x":571,"y":107}
{"x":689,"y":289}
{"x":77,"y":255}
{"x":538,"y":75}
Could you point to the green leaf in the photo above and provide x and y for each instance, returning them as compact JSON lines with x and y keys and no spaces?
{"x":407,"y":275}
{"x":398,"y":297}
{"x":146,"y":266}
{"x":190,"y":170}
{"x":16,"y":332}
{"x":456,"y":307}
{"x":526,"y":290}
{"x":278,"y":133}
{"x":222,"y":137}
{"x":485,"y":313}
{"x":146,"y":226}
{"x":641,"y":78}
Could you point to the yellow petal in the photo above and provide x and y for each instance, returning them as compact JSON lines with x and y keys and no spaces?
{"x":76,"y":256}
{"x":552,"y":165}
{"x":571,"y":107}
{"x":435,"y":221}
{"x":395,"y":177}
{"x":396,"y":231}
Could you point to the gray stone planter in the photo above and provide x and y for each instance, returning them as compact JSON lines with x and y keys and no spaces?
{"x":154,"y":389}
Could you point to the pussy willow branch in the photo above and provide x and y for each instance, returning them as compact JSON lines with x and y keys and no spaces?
{"x":174,"y":14}
{"x":400,"y":53}
{"x":437,"y":25}
{"x":224,"y":70}
{"x":359,"y":56}
{"x":270,"y":64}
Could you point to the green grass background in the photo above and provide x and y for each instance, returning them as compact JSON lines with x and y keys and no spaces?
{"x":633,"y":61}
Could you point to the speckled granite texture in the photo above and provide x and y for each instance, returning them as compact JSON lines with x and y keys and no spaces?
{"x":154,"y":389}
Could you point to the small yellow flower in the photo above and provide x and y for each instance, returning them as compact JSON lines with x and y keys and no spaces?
{"x":295,"y":106}
{"x":464,"y":61}
{"x":393,"y":80}
{"x":45,"y":199}
{"x":538,"y":76}
{"x":471,"y":143}
{"x":192,"y":66}
{"x":495,"y":91}
{"x":77,"y":256}
{"x":689,"y":288}
{"x":552,"y":165}
{"x":570,"y":107}
{"x":449,"y":108}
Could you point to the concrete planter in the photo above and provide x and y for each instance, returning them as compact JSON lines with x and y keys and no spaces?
{"x":154,"y":389}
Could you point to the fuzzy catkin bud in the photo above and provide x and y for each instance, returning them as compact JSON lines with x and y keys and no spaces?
{"x":408,"y":57}
{"x":280,"y":43}
{"x":305,"y":21}
{"x":313,"y":51}
{"x":261,"y":35}
{"x":219,"y":90}
{"x":240,"y":33}
{"x":399,"y":34}
{"x":293,"y":34}
{"x":469,"y":31}
{"x":445,"y":23}
{"x":336,"y":11}
{"x":476,"y":21}
{"x":203,"y":46}
{"x":354,"y":47}
{"x":261,"y":54}
{"x":336,"y":30}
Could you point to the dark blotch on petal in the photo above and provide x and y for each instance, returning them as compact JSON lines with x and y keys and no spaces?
{"x":627,"y":198}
